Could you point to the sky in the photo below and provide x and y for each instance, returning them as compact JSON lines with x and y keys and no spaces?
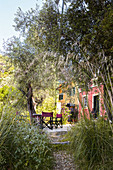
{"x":7,"y":10}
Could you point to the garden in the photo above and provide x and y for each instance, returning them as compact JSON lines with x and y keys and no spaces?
{"x":23,"y":145}
{"x":63,"y":42}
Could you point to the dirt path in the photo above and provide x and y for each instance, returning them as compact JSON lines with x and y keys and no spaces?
{"x":63,"y":160}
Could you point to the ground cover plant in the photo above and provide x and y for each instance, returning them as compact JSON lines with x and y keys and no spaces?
{"x":91,"y":143}
{"x":23,"y":146}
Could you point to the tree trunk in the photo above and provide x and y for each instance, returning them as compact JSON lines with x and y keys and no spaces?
{"x":30,"y":102}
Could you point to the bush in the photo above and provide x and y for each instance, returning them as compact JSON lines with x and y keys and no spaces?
{"x":23,"y":146}
{"x":65,"y":114}
{"x":92,"y":144}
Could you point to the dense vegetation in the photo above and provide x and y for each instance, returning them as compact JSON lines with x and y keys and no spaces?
{"x":71,"y":43}
{"x":23,"y":146}
{"x":92,"y":144}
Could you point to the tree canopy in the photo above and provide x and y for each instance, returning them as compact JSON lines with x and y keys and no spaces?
{"x":73,"y":42}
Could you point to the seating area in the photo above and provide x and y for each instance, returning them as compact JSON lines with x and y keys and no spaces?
{"x":46,"y":119}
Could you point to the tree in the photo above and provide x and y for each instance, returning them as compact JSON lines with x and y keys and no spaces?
{"x":40,"y":28}
{"x":35,"y":58}
{"x":73,"y":36}
{"x":32,"y":69}
{"x":91,"y":30}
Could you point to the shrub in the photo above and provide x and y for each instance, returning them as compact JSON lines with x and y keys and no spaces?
{"x":92,"y":144}
{"x":65,"y":114}
{"x":23,"y":146}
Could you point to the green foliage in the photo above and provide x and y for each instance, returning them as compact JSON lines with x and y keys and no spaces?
{"x":65,"y":114}
{"x":91,"y":26}
{"x":92,"y":144}
{"x":6,"y":92}
{"x":5,"y":96}
{"x":10,"y":96}
{"x":41,"y":28}
{"x":23,"y":146}
{"x":48,"y":105}
{"x":6,"y":71}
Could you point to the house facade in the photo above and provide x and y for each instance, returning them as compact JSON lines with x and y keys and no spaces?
{"x":68,"y":95}
{"x":92,"y":101}
{"x":68,"y":101}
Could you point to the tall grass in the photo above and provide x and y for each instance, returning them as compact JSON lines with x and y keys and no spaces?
{"x":92,"y":144}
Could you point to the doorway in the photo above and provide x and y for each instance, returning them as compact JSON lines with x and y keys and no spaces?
{"x":96,"y":104}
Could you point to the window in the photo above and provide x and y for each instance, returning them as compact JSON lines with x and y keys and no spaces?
{"x":85,"y":101}
{"x":61,"y":96}
{"x":73,"y":91}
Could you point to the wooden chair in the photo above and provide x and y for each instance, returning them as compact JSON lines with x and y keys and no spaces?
{"x":58,"y":121}
{"x":47,"y":119}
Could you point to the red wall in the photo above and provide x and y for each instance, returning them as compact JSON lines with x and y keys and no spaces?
{"x":94,"y":90}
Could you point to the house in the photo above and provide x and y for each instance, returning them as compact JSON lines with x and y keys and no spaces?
{"x":68,"y":94}
{"x":92,"y":101}
{"x":68,"y":101}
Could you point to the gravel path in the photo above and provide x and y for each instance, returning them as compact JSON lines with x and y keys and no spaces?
{"x":63,"y":160}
